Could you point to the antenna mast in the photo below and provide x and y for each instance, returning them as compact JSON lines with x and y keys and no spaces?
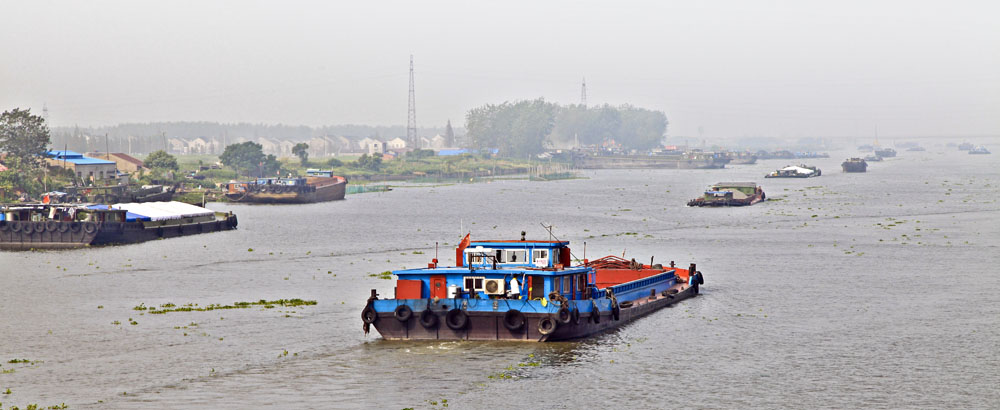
{"x":411,"y":122}
{"x":583,"y":93}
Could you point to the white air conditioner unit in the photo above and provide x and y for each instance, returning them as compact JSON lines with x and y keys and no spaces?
{"x":494,"y":286}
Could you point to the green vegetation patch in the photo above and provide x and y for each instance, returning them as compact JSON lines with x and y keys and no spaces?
{"x":193,"y":307}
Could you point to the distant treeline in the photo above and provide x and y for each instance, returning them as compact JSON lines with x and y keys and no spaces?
{"x":148,"y":137}
{"x":529,"y":127}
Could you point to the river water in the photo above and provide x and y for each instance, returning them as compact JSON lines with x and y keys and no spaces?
{"x":875,"y":290}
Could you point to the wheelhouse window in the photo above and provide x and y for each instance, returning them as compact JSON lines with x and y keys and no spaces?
{"x":514,"y":256}
{"x":540,"y":257}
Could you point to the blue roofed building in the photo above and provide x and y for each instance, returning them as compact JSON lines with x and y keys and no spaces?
{"x":85,"y":168}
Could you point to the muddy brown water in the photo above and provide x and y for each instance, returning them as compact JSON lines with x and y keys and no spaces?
{"x":874,"y":290}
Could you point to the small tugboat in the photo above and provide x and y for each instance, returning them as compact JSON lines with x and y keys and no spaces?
{"x":854,"y":165}
{"x":44,"y":226}
{"x":730,"y":194}
{"x":792,"y":171}
{"x":980,"y":150}
{"x":319,"y":186}
{"x":523,"y":290}
{"x":965,"y":146}
{"x":885,"y":152}
{"x":873,"y":158}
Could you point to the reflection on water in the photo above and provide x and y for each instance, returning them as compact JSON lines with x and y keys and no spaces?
{"x":847,"y":290}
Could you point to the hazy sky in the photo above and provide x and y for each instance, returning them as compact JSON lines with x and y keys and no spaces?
{"x":734,"y":68}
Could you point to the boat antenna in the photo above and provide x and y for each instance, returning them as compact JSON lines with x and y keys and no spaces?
{"x":553,"y":236}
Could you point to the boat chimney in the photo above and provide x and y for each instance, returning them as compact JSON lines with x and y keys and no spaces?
{"x":671,"y":264}
{"x":691,"y":270}
{"x":523,"y":233}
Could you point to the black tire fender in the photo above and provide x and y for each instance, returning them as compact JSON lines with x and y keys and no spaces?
{"x":4,"y":226}
{"x":616,"y":311}
{"x":89,"y":227}
{"x":403,"y":313}
{"x":15,"y":226}
{"x":547,"y":325}
{"x":75,"y":227}
{"x":456,"y":319}
{"x":51,"y":226}
{"x":369,"y":315}
{"x":576,"y":316}
{"x":563,"y":315}
{"x":514,"y":320}
{"x":595,"y":314}
{"x":701,"y":279}
{"x":428,"y":319}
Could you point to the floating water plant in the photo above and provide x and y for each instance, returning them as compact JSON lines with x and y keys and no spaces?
{"x":267,"y":304}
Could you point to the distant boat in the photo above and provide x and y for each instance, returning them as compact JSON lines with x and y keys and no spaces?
{"x":980,"y":150}
{"x":854,"y":165}
{"x":792,"y":171}
{"x":885,"y":152}
{"x":730,"y":194}
{"x":319,"y":186}
{"x":917,"y":148}
{"x":965,"y":146}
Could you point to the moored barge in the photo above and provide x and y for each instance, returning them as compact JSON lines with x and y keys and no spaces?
{"x":44,"y":226}
{"x":523,"y":291}
{"x":319,"y":186}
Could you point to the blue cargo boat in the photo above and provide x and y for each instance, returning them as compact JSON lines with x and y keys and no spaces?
{"x":524,"y":290}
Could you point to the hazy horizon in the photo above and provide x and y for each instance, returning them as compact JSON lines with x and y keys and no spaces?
{"x":724,"y":69}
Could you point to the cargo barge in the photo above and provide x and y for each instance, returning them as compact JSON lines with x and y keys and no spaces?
{"x":45,"y":226}
{"x":854,"y":165}
{"x":793,"y":171}
{"x":730,"y":194}
{"x":524,"y":291}
{"x":319,"y":186}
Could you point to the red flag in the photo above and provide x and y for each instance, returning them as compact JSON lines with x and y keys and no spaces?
{"x":461,"y":248}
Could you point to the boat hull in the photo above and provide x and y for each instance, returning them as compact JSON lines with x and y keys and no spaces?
{"x":489,"y":326}
{"x":324,"y":192}
{"x":26,"y":235}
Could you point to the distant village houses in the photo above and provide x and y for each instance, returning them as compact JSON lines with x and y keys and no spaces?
{"x":124,"y":162}
{"x":85,"y":168}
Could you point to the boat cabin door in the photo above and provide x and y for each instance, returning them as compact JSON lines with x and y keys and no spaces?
{"x":537,"y":287}
{"x":439,"y":287}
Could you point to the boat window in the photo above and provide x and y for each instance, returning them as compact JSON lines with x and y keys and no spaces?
{"x":515,"y":256}
{"x":474,"y":283}
{"x":567,"y":284}
{"x":555,"y":256}
{"x":500,"y":256}
{"x":540,"y":257}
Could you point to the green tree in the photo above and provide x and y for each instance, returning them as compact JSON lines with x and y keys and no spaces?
{"x":515,"y":129}
{"x":161,"y":160}
{"x":246,"y":156}
{"x":369,"y":162}
{"x":449,"y":135}
{"x":24,"y":136}
{"x":333,"y":162}
{"x":301,"y":150}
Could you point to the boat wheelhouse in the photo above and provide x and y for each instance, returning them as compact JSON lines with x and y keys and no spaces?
{"x":523,"y":290}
